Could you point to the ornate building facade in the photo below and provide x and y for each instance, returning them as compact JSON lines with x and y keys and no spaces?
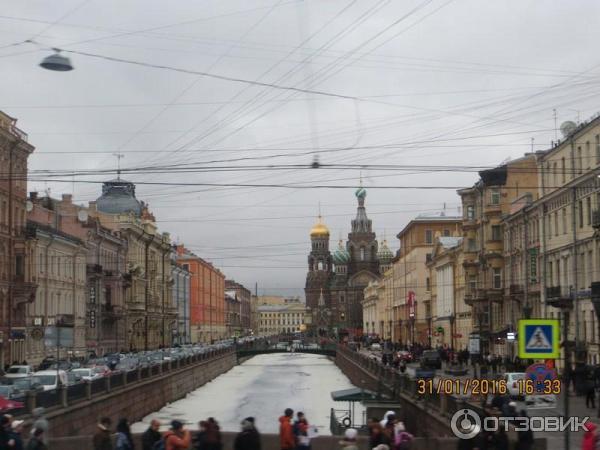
{"x":17,"y":283}
{"x":335,"y":283}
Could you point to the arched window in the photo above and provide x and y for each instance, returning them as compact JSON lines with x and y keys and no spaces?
{"x":320,"y":265}
{"x":362,"y":253}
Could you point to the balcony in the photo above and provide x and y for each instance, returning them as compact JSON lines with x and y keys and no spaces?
{"x":515,"y":290}
{"x":23,"y":292}
{"x":474,"y":296}
{"x":555,"y":297}
{"x":93,"y":269}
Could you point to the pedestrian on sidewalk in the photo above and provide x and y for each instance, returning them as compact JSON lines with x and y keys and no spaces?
{"x":16,"y":434}
{"x":151,"y":436}
{"x":249,"y":437}
{"x":590,"y":438}
{"x":37,"y":440}
{"x":124,"y":438}
{"x":102,"y":439}
{"x":177,"y":438}
{"x":286,"y":432}
{"x":590,"y":394}
{"x":212,"y":438}
{"x":349,"y":441}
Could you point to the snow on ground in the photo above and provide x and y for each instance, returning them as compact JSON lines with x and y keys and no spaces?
{"x":263,"y":387}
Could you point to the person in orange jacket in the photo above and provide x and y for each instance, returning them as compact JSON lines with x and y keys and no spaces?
{"x":286,"y":432}
{"x":177,"y":438}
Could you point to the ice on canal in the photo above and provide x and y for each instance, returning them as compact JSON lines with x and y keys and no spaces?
{"x":263,"y":387}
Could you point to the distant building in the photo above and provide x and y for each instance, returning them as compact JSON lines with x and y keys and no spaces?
{"x":151,"y":316}
{"x":281,"y":319}
{"x":207,"y":297}
{"x":181,"y":298}
{"x":243,"y":295}
{"x":17,"y":283}
{"x":340,"y":279}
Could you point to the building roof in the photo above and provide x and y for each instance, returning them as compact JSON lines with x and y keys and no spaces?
{"x":429,"y":218}
{"x":118,"y":197}
{"x":281,"y":308}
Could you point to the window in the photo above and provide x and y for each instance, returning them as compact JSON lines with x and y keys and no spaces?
{"x":564,"y":220}
{"x":580,"y":207}
{"x":472,"y":283}
{"x":563,"y":169}
{"x":588,"y":157}
{"x":446,"y":232}
{"x":588,"y":202}
{"x":471,"y":245}
{"x":550,"y":273}
{"x":497,"y":278}
{"x":362,"y":253}
{"x":428,"y":236}
{"x":495,"y":197}
{"x":427,"y":284}
{"x":579,"y":160}
{"x":496,"y":233}
{"x":555,"y":173}
{"x":598,"y":149}
{"x":186,"y":267}
{"x":470,"y":212}
{"x":533,"y":265}
{"x":556,"y":223}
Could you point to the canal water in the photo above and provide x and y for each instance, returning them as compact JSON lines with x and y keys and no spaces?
{"x":263,"y":387}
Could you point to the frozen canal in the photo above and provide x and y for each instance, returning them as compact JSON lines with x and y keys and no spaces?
{"x":263,"y":387}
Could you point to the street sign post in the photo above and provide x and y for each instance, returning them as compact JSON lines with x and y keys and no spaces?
{"x":538,"y":339}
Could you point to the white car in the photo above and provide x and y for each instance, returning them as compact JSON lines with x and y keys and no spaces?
{"x":48,"y":378}
{"x":89,"y":373}
{"x":376,"y":347}
{"x":514,"y":383}
{"x":19,"y":372}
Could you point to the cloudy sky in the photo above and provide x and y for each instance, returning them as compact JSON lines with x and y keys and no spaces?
{"x":196,"y":95}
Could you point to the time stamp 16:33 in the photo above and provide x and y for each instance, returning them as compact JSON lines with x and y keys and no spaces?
{"x":475,"y":386}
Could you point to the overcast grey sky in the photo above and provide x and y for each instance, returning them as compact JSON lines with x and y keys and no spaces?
{"x":438,"y":82}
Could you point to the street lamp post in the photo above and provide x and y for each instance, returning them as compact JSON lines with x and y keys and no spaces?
{"x":57,"y":62}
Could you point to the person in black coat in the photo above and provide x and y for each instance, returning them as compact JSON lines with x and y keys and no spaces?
{"x":151,"y":436}
{"x":249,"y":437}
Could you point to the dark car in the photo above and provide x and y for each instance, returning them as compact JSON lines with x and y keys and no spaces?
{"x":430,"y":359}
{"x":46,"y":363}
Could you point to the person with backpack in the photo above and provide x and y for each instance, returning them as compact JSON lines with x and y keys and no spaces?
{"x":151,"y":436}
{"x":177,"y":438}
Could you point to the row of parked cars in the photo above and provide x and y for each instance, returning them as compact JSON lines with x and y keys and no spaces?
{"x":18,"y":379}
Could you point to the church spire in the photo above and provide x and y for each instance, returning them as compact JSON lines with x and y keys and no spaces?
{"x":361,"y":224}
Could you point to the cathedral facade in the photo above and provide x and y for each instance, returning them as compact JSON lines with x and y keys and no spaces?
{"x":335,"y":282}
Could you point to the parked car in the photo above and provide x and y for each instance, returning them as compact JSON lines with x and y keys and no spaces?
{"x":430,"y":359}
{"x":375,"y":347}
{"x":28,"y":384}
{"x":11,"y":392}
{"x":46,"y":363}
{"x":89,"y":373}
{"x":19,"y":372}
{"x":405,"y":356}
{"x":512,"y":383}
{"x":73,"y":378}
{"x":48,"y":378}
{"x":62,"y":365}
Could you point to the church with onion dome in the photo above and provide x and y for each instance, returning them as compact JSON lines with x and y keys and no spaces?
{"x":335,"y":281}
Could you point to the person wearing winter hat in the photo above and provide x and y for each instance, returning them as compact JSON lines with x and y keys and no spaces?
{"x":249,"y":437}
{"x":16,"y":435}
{"x":177,"y":438}
{"x":382,"y":447}
{"x":349,"y":441}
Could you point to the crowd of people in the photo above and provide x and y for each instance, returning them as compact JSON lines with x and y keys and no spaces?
{"x":13,"y":437}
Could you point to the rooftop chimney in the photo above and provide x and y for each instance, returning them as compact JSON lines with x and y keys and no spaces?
{"x":67,"y":198}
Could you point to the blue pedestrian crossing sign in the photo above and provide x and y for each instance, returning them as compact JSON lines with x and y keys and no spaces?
{"x":539,"y":339}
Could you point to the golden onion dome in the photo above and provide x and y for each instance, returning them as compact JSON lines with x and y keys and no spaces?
{"x":319,"y":229}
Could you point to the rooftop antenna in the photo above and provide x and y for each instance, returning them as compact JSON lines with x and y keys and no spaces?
{"x":119,"y":156}
{"x":319,"y":209}
{"x":532,"y":141}
{"x":555,"y":125}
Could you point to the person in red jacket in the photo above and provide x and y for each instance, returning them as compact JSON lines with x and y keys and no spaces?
{"x":590,"y":437}
{"x":177,"y":438}
{"x":286,"y":432}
